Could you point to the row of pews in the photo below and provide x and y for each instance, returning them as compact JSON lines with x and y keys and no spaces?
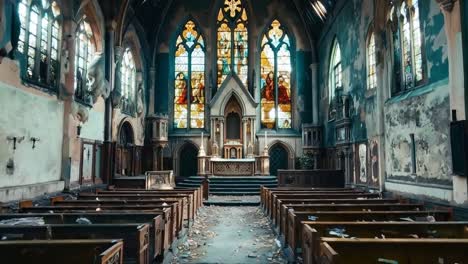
{"x":111,"y":226}
{"x":345,"y":225}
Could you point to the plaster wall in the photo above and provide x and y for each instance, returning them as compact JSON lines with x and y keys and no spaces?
{"x":28,"y":113}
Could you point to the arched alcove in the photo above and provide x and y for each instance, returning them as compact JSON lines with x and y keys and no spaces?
{"x":188,"y":165}
{"x":278,"y":158}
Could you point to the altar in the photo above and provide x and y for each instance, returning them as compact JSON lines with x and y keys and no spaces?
{"x":233,"y":167}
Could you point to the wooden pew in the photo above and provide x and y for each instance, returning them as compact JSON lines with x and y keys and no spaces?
{"x":173,"y":225}
{"x":127,"y":205}
{"x":160,"y":223}
{"x":99,"y":251}
{"x":197,"y":192}
{"x":187,"y":202}
{"x":135,"y":236}
{"x":294,"y":233}
{"x":344,"y":207}
{"x":264,"y":191}
{"x":313,"y":232}
{"x":281,"y":210}
{"x":275,"y":197}
{"x":192,"y":199}
{"x":395,"y":250}
{"x":268,"y":195}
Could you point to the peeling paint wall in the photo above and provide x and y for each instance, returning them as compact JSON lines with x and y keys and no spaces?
{"x":29,"y":115}
{"x":424,"y":111}
{"x":427,"y":116}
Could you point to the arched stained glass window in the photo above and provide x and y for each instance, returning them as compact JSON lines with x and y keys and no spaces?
{"x":39,"y":41}
{"x":189,"y":99}
{"x":128,"y":82}
{"x":232,"y":41}
{"x":276,"y":69}
{"x":371,"y":62}
{"x":335,"y":72}
{"x":84,"y":52}
{"x":407,"y":45}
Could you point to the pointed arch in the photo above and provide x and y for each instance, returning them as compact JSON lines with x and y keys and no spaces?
{"x":189,"y":77}
{"x":371,"y":59}
{"x":335,"y":72}
{"x":232,"y":42}
{"x":39,"y":41}
{"x":276,"y":72}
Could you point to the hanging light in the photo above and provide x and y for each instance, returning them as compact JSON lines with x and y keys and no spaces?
{"x":319,"y":9}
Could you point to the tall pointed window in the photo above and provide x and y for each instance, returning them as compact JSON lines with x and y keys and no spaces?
{"x":276,"y":68}
{"x":84,"y":52}
{"x":371,"y":62}
{"x":39,"y":41}
{"x":189,"y":84}
{"x":128,"y":82}
{"x":335,"y":72}
{"x":407,"y":45}
{"x":232,"y":41}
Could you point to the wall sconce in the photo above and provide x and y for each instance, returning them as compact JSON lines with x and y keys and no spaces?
{"x":34,"y":140}
{"x":78,"y":130}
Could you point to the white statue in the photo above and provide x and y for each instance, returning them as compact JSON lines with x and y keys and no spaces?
{"x":97,"y":83}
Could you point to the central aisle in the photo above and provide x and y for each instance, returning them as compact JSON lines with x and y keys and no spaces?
{"x":230,"y":235}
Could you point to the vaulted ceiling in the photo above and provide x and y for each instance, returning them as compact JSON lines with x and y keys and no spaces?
{"x":152,"y":13}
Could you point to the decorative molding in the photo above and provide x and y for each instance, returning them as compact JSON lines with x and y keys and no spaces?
{"x":446,"y":5}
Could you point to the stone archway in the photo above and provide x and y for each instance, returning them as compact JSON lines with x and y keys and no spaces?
{"x":188,"y":163}
{"x":279,"y":158}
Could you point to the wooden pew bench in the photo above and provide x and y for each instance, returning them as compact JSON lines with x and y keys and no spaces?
{"x":275,"y":197}
{"x":160,"y":237}
{"x":281,"y":210}
{"x":135,"y":236}
{"x":188,"y":208}
{"x":343,"y":207}
{"x":156,"y":204}
{"x":99,"y":251}
{"x":196,"y":192}
{"x":265,"y":191}
{"x":173,"y":225}
{"x":269,"y":196}
{"x":189,"y":198}
{"x":294,"y":233}
{"x":313,"y":232}
{"x":395,"y":250}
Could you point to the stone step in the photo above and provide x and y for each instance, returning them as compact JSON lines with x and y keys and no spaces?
{"x":215,"y":189}
{"x":230,"y":203}
{"x":237,"y":193}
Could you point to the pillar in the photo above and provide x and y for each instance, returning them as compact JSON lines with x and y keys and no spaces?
{"x":221,"y":137}
{"x":315,"y":102}
{"x":152,"y":88}
{"x":244,"y":136}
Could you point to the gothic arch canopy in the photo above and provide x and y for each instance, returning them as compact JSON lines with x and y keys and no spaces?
{"x":233,"y":86}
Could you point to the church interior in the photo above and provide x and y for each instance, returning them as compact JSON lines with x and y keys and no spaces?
{"x":234,"y":131}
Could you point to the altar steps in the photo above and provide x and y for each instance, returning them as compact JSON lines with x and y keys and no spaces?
{"x":235,"y":186}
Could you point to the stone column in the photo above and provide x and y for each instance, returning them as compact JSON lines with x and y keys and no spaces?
{"x":152,"y":90}
{"x":117,"y":92}
{"x":221,"y":137}
{"x":315,"y":102}
{"x":453,"y":29}
{"x":67,"y":83}
{"x":244,"y":136}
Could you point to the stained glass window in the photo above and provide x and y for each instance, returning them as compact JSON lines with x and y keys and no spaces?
{"x":128,"y":81}
{"x":408,"y":41}
{"x":276,"y":68}
{"x":371,"y":63}
{"x":232,"y":41}
{"x":84,"y":52}
{"x":335,"y":70}
{"x":39,"y":41}
{"x":189,"y":84}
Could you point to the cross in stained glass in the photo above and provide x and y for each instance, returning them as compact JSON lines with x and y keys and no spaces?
{"x":233,"y":6}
